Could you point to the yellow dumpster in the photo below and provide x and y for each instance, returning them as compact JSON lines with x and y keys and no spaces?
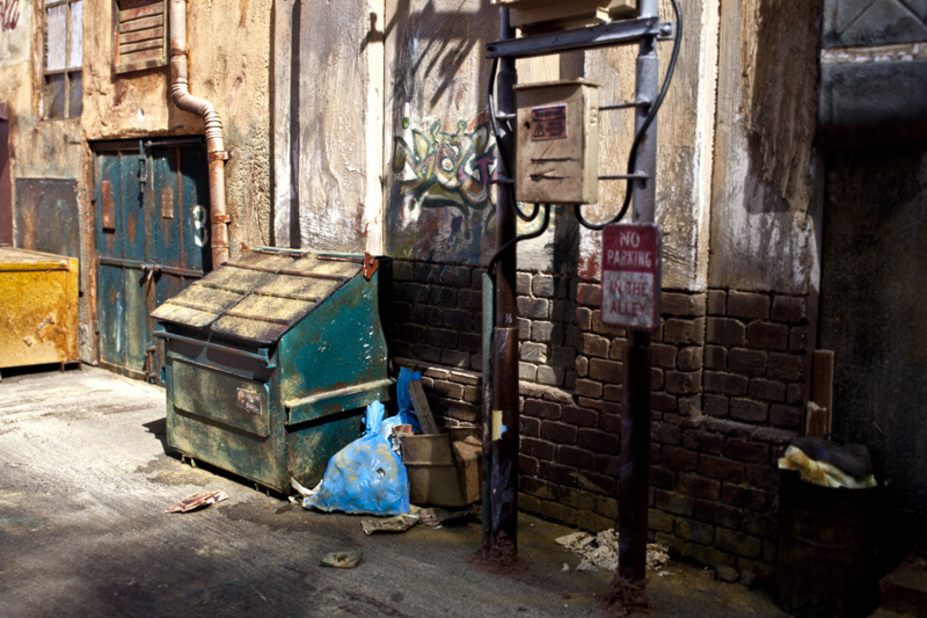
{"x":38,"y":308}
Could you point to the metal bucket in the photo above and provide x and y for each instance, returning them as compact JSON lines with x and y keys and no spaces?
{"x":828,"y":542}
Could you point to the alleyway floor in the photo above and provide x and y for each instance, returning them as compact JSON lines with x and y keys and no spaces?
{"x":84,"y":482}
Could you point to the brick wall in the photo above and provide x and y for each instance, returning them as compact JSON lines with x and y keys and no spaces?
{"x":728,"y":379}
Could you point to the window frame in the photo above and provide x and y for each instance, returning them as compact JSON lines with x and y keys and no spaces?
{"x":68,"y":71}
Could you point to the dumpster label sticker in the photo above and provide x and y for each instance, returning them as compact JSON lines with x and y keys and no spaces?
{"x":250,"y":401}
{"x":548,"y":122}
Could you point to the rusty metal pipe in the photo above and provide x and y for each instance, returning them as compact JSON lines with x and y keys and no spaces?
{"x":215,"y":145}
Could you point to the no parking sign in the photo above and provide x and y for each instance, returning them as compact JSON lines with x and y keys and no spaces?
{"x":632,"y":257}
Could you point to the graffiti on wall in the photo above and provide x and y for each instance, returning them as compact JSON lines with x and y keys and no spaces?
{"x":441,"y":181}
{"x":14,"y":31}
{"x":9,"y":14}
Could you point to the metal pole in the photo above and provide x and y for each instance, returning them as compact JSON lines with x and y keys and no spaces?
{"x":505,"y":414}
{"x":635,"y":420}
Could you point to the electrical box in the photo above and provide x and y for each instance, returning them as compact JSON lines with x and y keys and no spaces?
{"x":536,"y":16}
{"x":558,"y":142}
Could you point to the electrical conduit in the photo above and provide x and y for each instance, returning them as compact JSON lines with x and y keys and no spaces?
{"x":215,"y":146}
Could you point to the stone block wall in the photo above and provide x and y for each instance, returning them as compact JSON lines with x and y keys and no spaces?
{"x":728,"y":383}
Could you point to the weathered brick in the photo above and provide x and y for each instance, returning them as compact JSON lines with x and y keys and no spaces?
{"x":428,"y":314}
{"x":606,"y":507}
{"x":767,"y":390}
{"x":747,"y":305}
{"x":454,"y":358}
{"x":789,"y":309}
{"x":662,"y":477}
{"x":716,"y":513}
{"x":683,"y":382}
{"x":402,"y":313}
{"x":717,"y":302}
{"x":764,"y":477}
{"x":595,"y":345}
{"x":576,"y":457}
{"x":616,"y":349}
{"x":473,"y":394}
{"x":527,"y":466}
{"x":715,"y":357}
{"x":767,"y":336}
{"x":662,"y":355}
{"x":690,"y":406}
{"x":777,"y":437}
{"x":660,"y":521}
{"x":598,"y":441}
{"x":699,"y":486}
{"x":537,"y":448}
{"x":590,"y":522}
{"x":588,"y":388}
{"x":556,"y":473}
{"x":458,"y":276}
{"x":458,"y":410}
{"x":596,"y":404}
{"x":786,"y":367}
{"x":458,"y":319}
{"x":551,"y":376}
{"x":581,"y":417}
{"x":745,"y":545}
{"x":684,"y":332}
{"x":469,"y":299}
{"x":674,"y":502}
{"x":403,"y":271}
{"x":604,"y":370}
{"x":790,"y":417}
{"x":589,"y":294}
{"x":522,"y":284}
{"x":725,"y":383}
{"x":682,"y":305}
{"x":548,"y":332}
{"x":760,"y":524}
{"x":749,"y":411}
{"x":547,"y":410}
{"x":532,"y":308}
{"x":562,"y":310}
{"x":608,"y":464}
{"x":470,"y":342}
{"x":721,"y":468}
{"x":729,"y":428}
{"x":665,"y":433}
{"x":604,"y":329}
{"x":798,"y":339}
{"x":725,"y":331}
{"x":697,"y":531}
{"x":690,"y":358}
{"x":443,"y":296}
{"x":583,"y":318}
{"x":751,"y":452}
{"x":414,"y":293}
{"x":656,"y":378}
{"x":610,"y":422}
{"x":582,"y":367}
{"x":663,"y":402}
{"x":677,"y":546}
{"x":539,"y":488}
{"x":679,"y":459}
{"x":754,"y":573}
{"x":724,"y":563}
{"x":703,"y":441}
{"x":533,"y":352}
{"x":529,"y":427}
{"x":527,"y":371}
{"x":747,"y":362}
{"x":542,"y":286}
{"x":427,"y":273}
{"x":563,"y":357}
{"x":442,"y":337}
{"x":559,"y":512}
{"x":744,"y":497}
{"x":529,"y":504}
{"x":524,"y":329}
{"x":794,"y":393}
{"x":716,"y":405}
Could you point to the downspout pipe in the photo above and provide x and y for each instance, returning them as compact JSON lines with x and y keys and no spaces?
{"x":215,"y":145}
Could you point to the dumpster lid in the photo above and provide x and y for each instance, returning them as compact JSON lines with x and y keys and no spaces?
{"x":15,"y":259}
{"x":260,"y":296}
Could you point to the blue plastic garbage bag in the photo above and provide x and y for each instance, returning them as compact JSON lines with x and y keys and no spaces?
{"x":366,"y":476}
{"x":406,"y":413}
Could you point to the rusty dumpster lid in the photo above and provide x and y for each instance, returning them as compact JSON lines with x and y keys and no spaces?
{"x":15,"y":259}
{"x":261,"y":295}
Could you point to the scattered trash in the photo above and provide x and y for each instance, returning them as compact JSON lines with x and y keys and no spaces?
{"x":303,"y":491}
{"x":601,"y":551}
{"x":197,"y":500}
{"x":286,"y":508}
{"x":396,"y":523}
{"x":435,"y":517}
{"x":565,"y":568}
{"x":366,"y":476}
{"x":831,"y":465}
{"x":342,"y":559}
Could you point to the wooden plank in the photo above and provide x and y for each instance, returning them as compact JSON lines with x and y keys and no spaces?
{"x":421,"y":407}
{"x":817,"y":421}
{"x":142,"y":24}
{"x":142,"y":35}
{"x":822,"y":383}
{"x":157,"y":44}
{"x":144,"y":11}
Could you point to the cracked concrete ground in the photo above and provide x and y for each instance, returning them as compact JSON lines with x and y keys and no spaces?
{"x":84,"y":481}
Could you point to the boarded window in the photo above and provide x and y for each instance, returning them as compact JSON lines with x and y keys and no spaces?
{"x":64,"y":43}
{"x":141,"y":35}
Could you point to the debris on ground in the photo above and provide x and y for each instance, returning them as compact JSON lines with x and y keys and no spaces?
{"x":342,"y":559}
{"x":396,"y":523}
{"x":436,"y":516}
{"x":601,"y":551}
{"x":627,"y":599}
{"x":198,"y":500}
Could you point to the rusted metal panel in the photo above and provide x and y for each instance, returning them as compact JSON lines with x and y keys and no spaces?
{"x":38,"y":308}
{"x":108,"y":212}
{"x":43,"y":200}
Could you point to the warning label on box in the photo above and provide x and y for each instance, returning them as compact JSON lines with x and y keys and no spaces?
{"x":548,"y":122}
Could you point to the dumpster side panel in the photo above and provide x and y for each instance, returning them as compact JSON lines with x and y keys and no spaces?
{"x":311,"y":445}
{"x":339,"y":344}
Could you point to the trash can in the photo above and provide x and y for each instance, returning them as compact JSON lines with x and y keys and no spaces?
{"x":270,"y":361}
{"x":828,"y":545}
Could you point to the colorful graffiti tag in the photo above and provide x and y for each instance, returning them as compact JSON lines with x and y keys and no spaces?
{"x":9,"y":14}
{"x":445,"y":170}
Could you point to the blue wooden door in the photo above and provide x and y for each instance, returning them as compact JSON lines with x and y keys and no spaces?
{"x":152,"y":229}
